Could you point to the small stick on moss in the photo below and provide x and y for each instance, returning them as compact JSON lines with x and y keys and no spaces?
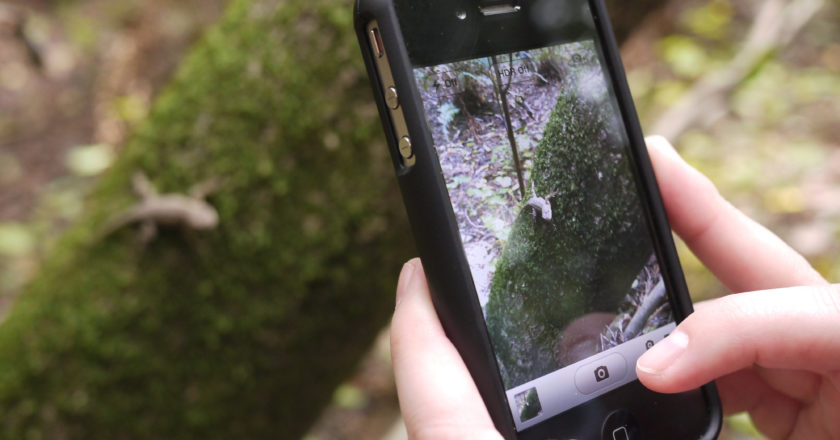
{"x":655,"y":298}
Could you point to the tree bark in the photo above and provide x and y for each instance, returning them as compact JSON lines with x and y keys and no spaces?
{"x":245,"y":330}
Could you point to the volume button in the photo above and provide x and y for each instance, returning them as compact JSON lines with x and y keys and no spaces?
{"x":406,"y":149}
{"x":391,"y":98}
{"x":376,"y":43}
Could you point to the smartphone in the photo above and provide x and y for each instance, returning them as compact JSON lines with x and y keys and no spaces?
{"x":535,"y":210}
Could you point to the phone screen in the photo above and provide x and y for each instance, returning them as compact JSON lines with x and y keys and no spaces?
{"x":537,"y":164}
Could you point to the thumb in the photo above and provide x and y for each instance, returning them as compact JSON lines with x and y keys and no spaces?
{"x":792,"y":328}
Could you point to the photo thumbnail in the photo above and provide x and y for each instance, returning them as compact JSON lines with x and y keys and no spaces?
{"x":528,"y":404}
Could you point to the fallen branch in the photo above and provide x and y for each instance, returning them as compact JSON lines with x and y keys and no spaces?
{"x":655,"y":298}
{"x":777,"y":23}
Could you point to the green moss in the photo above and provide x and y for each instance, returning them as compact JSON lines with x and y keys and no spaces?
{"x":531,"y":407}
{"x":581,"y":261}
{"x":243,"y":331}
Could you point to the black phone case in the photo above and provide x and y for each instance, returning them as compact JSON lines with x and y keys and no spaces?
{"x":435,"y":229}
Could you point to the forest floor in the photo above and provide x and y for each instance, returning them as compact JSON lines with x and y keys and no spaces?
{"x":472,"y":143}
{"x":85,"y":72}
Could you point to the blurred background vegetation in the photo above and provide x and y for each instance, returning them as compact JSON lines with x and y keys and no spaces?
{"x":77,"y":77}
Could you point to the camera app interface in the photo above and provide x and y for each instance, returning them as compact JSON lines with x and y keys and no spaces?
{"x":535,"y":159}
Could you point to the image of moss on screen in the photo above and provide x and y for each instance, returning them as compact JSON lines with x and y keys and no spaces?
{"x":573,"y":255}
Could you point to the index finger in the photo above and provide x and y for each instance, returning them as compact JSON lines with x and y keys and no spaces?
{"x":793,"y":328}
{"x":741,"y":253}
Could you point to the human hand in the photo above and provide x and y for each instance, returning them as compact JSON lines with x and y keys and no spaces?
{"x":439,"y":399}
{"x":773,"y":353}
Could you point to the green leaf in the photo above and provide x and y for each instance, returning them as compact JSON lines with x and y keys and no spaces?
{"x":710,"y":20}
{"x":743,"y":424}
{"x":90,"y":160}
{"x":503,"y":181}
{"x":349,"y":397}
{"x":15,"y":240}
{"x":684,"y":55}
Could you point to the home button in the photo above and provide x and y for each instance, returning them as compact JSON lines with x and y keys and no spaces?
{"x":621,"y":425}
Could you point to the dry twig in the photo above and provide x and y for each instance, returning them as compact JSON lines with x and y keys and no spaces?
{"x":777,"y":23}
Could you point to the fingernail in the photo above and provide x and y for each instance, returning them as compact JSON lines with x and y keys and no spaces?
{"x":664,"y":354}
{"x":406,"y":275}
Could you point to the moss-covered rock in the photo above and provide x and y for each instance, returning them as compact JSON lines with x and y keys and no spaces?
{"x":581,"y":261}
{"x":243,"y":331}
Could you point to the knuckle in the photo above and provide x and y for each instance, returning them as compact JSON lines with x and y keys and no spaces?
{"x":718,"y":315}
{"x":829,"y":298}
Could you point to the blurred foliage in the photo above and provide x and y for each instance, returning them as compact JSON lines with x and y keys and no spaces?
{"x":711,"y":20}
{"x":90,"y":160}
{"x":349,"y":396}
{"x":775,"y":153}
{"x":742,"y":426}
{"x":239,"y":332}
{"x":771,"y":153}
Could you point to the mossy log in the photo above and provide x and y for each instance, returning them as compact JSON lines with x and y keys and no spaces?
{"x":243,"y":331}
{"x":581,"y":261}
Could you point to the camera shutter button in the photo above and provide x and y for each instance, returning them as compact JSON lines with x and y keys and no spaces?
{"x":601,"y":373}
